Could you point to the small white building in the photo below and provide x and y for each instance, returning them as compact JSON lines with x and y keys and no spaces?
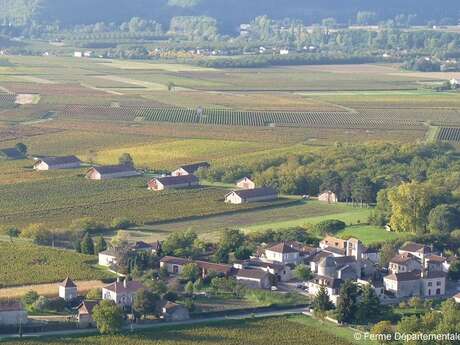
{"x":251,"y":195}
{"x":54,"y":163}
{"x":121,"y":292}
{"x":68,"y":290}
{"x":254,"y":278}
{"x":190,"y":169}
{"x":111,"y":172}
{"x":78,"y":54}
{"x":246,"y":183}
{"x":173,"y":182}
{"x":329,"y":197}
{"x":107,"y":258}
{"x":12,"y":313}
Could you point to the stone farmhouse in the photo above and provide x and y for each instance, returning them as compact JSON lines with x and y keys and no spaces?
{"x":68,"y":290}
{"x":190,"y":169}
{"x":173,"y":182}
{"x":251,"y":195}
{"x":121,"y":292}
{"x":12,"y":313}
{"x":54,"y":163}
{"x":245,"y":183}
{"x":111,"y":172}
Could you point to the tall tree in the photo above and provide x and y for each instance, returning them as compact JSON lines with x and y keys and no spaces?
{"x":87,"y":245}
{"x":108,"y":317}
{"x":348,"y":302}
{"x":369,"y":307}
{"x":100,"y":244}
{"x":322,"y":302}
{"x":126,"y":159}
{"x":145,"y":302}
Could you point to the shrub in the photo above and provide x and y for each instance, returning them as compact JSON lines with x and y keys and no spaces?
{"x":329,"y":226}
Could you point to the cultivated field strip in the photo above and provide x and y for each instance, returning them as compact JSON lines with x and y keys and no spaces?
{"x":449,"y":134}
{"x":7,"y":100}
{"x":239,"y":118}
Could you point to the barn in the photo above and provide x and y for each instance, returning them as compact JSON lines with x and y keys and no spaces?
{"x":190,"y":169}
{"x":172,"y":182}
{"x":110,"y":172}
{"x":251,"y":195}
{"x":53,"y":163}
{"x":329,"y":197}
{"x":246,"y":183}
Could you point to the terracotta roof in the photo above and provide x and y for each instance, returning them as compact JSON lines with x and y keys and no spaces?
{"x":59,"y":160}
{"x":11,"y":306}
{"x":219,"y":268}
{"x":177,"y":180}
{"x":255,"y":193}
{"x":192,"y":168}
{"x":415,"y":247}
{"x":68,"y":283}
{"x":404,"y":276}
{"x":175,"y":260}
{"x":254,"y":273}
{"x":86,"y":307}
{"x":436,"y":258}
{"x":334,"y":250}
{"x":119,"y":287}
{"x":282,"y":248}
{"x":402,"y":258}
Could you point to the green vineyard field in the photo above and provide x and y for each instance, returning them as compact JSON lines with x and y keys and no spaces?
{"x":239,"y":118}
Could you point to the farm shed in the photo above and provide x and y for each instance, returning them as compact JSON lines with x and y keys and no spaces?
{"x":251,"y":195}
{"x":53,"y":163}
{"x":254,"y":278}
{"x":171,"y":182}
{"x":329,"y":197}
{"x":190,"y":169}
{"x":12,"y":313}
{"x":246,"y":183}
{"x":111,"y":172}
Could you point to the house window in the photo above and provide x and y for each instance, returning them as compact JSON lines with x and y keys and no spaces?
{"x":438,"y":283}
{"x":175,"y":269}
{"x":429,"y":292}
{"x":438,"y":291}
{"x":430,"y":283}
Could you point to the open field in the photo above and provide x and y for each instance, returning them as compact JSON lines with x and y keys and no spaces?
{"x":60,"y":200}
{"x":48,"y":290}
{"x":24,"y":264}
{"x":269,"y":331}
{"x":369,"y":234}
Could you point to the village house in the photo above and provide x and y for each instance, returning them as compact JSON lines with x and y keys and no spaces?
{"x":68,"y":290}
{"x":54,"y":163}
{"x":254,"y":278}
{"x":280,"y":271}
{"x":85,"y":314}
{"x":141,"y":246}
{"x":107,"y":258}
{"x":121,"y":292}
{"x":338,"y":247}
{"x":418,"y":250}
{"x":175,"y":265}
{"x":173,"y":182}
{"x":332,"y":286}
{"x":416,"y":283}
{"x":245,"y":183}
{"x":404,"y":263}
{"x":190,"y":169}
{"x":111,"y":172}
{"x":329,"y":197}
{"x":174,"y":312}
{"x":251,"y":195}
{"x":282,"y":253}
{"x":12,"y":313}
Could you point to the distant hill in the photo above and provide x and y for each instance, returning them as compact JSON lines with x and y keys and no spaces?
{"x":229,"y":13}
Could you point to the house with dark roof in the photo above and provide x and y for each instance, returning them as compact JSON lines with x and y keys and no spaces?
{"x":173,"y":182}
{"x":416,"y":283}
{"x":175,"y":265}
{"x":122,"y":292}
{"x":190,"y":169}
{"x":254,"y":278}
{"x":68,"y":289}
{"x":111,"y":172}
{"x":54,"y":163}
{"x":251,"y":195}
{"x":331,"y":285}
{"x":85,"y":314}
{"x":418,"y":250}
{"x":141,"y":246}
{"x":12,"y":313}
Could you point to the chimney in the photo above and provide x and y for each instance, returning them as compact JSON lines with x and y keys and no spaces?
{"x":125,"y":283}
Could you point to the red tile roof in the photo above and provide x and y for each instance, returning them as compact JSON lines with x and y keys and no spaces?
{"x":282,"y":248}
{"x":119,"y":287}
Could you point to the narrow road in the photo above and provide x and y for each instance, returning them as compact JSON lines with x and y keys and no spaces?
{"x":135,"y":327}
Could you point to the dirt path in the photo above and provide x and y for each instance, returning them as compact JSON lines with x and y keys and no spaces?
{"x":49,"y":290}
